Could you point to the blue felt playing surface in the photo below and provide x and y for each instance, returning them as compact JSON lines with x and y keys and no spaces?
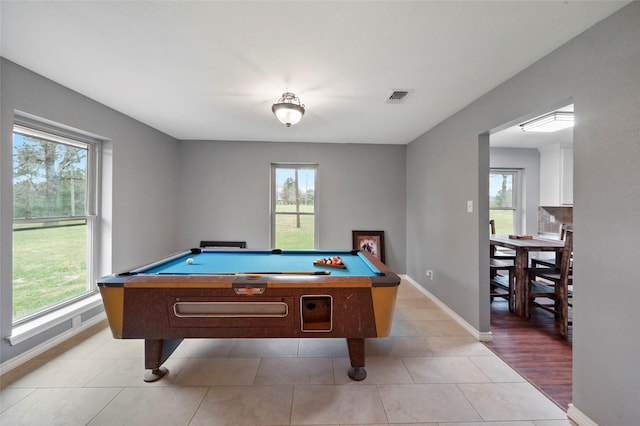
{"x":262,"y":261}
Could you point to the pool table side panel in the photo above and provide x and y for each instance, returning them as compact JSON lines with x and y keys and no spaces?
{"x":145,"y":315}
{"x":113,"y":300}
{"x":384,"y":302}
{"x":148,"y":314}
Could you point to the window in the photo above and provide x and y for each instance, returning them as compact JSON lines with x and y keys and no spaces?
{"x":504,"y":200}
{"x":54,"y":219}
{"x":293,"y":206}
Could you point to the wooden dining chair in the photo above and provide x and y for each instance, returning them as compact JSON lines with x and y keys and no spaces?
{"x":500,"y":253}
{"x":502,"y":285}
{"x":550,"y":288}
{"x":501,"y":273}
{"x":549,"y":262}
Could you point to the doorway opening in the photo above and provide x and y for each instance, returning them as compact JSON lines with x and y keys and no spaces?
{"x":545,"y":164}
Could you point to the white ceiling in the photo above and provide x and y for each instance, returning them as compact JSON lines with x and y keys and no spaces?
{"x":211,"y":70}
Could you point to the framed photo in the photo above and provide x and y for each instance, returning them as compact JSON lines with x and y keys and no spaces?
{"x":371,"y":241}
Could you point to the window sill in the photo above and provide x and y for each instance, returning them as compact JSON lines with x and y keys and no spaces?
{"x":39,"y":325}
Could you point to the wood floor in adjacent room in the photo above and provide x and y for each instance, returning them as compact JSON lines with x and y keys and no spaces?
{"x":534,"y":348}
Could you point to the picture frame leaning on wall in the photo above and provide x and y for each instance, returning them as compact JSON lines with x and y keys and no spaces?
{"x":370,"y":241}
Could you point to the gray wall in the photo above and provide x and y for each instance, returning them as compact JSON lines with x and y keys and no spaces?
{"x":225,"y":187}
{"x":138,"y":170}
{"x":528,"y":160}
{"x":448,"y":165}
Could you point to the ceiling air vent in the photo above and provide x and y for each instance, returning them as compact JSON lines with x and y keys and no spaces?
{"x":397,"y":96}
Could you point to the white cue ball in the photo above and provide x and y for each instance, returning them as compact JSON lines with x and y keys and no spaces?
{"x":189,"y":261}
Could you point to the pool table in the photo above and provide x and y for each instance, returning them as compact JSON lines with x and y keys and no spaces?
{"x":217,"y":293}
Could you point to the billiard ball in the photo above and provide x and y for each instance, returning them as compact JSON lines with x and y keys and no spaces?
{"x":189,"y":261}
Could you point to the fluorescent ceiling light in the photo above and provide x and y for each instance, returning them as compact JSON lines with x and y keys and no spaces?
{"x":549,"y":122}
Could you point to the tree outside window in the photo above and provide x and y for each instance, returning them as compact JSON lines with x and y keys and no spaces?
{"x":52,"y":220}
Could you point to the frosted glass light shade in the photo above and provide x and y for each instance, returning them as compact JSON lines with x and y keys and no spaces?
{"x":288,"y":109}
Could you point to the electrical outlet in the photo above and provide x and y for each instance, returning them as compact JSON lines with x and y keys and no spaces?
{"x":430,"y":274}
{"x":470,"y":206}
{"x":76,"y":321}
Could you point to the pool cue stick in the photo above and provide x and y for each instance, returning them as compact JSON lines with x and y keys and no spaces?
{"x":283,"y":273}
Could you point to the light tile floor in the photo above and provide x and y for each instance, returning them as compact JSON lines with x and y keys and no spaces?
{"x":430,"y":371}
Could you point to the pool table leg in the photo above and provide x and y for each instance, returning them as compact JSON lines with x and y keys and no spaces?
{"x":356,"y":356}
{"x":156,"y":353}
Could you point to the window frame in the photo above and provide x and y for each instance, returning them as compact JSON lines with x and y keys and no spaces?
{"x":274,"y":199}
{"x":517,"y":195}
{"x":63,"y":135}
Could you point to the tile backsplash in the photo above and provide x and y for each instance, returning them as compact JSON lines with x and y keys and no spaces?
{"x":551,"y":218}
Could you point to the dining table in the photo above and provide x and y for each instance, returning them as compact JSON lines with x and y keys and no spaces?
{"x":523,"y":246}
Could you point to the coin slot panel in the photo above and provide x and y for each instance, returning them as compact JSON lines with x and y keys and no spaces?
{"x":316,"y":313}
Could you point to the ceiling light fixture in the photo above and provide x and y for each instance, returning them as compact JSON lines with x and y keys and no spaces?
{"x":549,"y":123}
{"x":288,"y":109}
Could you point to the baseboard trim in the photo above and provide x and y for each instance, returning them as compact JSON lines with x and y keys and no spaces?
{"x":27,"y":356}
{"x":483,"y":336}
{"x":577,"y":416}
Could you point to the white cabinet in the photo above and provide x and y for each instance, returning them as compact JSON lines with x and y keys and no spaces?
{"x":566,"y":176}
{"x":556,"y":175}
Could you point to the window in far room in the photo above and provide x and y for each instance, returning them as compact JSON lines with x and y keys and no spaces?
{"x":294,"y":213}
{"x":55,"y":184}
{"x":504,"y":200}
